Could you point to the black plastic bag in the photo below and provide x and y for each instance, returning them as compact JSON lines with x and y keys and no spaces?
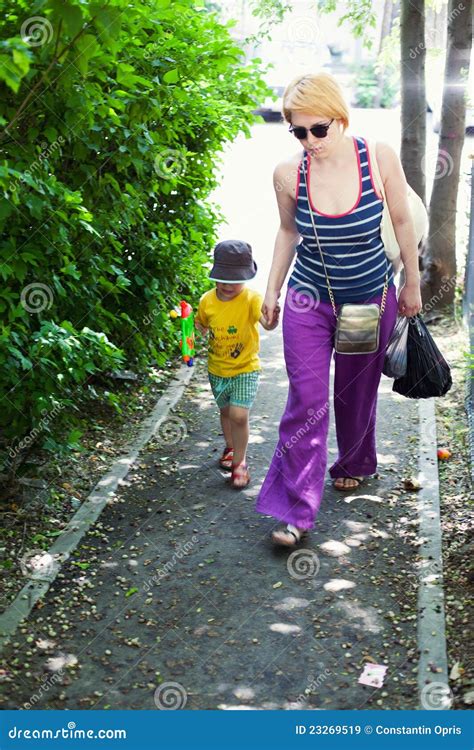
{"x":427,"y":373}
{"x":395,"y":363}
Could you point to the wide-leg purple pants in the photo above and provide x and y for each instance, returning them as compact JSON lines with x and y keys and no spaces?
{"x":293,"y":487}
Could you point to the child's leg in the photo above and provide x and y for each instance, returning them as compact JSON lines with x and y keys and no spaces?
{"x":226,"y":426}
{"x":239,"y":424}
{"x":244,"y":390}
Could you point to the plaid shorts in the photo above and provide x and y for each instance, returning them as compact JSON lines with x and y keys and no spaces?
{"x":237,"y":390}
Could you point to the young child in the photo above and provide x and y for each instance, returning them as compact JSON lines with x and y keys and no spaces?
{"x":231,"y":314}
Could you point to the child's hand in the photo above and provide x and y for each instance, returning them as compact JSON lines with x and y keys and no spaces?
{"x":274,"y":321}
{"x":200,"y":327}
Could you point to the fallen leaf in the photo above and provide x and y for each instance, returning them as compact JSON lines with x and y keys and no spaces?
{"x":455,"y":673}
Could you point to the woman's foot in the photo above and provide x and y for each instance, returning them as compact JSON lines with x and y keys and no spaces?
{"x":225,"y":461}
{"x":288,"y":537}
{"x":347,"y":483}
{"x":240,"y":476}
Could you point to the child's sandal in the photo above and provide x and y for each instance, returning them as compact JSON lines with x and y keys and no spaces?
{"x":225,"y":461}
{"x":240,"y":476}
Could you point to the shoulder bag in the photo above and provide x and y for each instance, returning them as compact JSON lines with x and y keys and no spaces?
{"x":417,"y":210}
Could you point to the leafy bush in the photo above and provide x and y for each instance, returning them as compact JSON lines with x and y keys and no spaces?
{"x":366,"y":87}
{"x":113,"y":117}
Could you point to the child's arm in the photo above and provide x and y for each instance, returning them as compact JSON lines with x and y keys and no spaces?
{"x":200,"y":319}
{"x":200,"y":327}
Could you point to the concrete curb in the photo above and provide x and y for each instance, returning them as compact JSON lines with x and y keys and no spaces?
{"x":89,"y":511}
{"x":433,"y":687}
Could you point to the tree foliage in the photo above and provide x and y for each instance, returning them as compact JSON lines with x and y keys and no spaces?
{"x":112,"y":117}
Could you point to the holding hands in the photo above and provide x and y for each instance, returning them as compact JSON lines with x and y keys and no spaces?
{"x":270,"y":311}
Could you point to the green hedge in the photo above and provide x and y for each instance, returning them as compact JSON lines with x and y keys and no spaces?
{"x":111,"y":118}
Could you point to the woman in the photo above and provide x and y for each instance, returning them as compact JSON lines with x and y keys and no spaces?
{"x":346,"y":210}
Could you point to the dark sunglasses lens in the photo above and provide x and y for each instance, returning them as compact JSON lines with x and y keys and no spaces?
{"x":299,"y":133}
{"x":320,"y":131}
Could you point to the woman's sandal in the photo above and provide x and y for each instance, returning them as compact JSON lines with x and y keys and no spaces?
{"x":344,"y":487}
{"x":225,"y":461}
{"x":240,"y":477}
{"x":288,"y":537}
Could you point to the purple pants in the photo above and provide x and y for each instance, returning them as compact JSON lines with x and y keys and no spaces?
{"x":293,"y":487}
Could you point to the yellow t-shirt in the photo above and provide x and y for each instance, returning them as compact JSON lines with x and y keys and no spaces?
{"x":234,"y":339}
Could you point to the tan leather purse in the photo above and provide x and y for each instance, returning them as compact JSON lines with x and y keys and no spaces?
{"x":358,"y":325}
{"x":417,"y":209}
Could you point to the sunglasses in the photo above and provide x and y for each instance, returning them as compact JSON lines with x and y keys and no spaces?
{"x":319,"y":131}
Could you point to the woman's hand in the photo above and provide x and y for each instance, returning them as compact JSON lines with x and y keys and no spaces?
{"x":409,"y":301}
{"x":274,"y":323}
{"x":270,"y":308}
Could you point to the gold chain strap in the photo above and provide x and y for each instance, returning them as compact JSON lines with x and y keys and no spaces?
{"x":330,"y":292}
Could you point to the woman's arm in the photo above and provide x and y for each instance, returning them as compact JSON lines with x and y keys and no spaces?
{"x":395,"y":186}
{"x":284,"y":181}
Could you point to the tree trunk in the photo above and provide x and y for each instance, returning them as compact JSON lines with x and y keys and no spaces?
{"x":413,"y":119}
{"x":384,"y":32}
{"x":439,"y":253}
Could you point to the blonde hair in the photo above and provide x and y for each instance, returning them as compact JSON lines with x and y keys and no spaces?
{"x":317,"y":93}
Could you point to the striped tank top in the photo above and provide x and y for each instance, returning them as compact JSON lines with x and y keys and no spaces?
{"x":351,"y":244}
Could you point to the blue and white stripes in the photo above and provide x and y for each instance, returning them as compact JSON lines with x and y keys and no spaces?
{"x":351,"y":244}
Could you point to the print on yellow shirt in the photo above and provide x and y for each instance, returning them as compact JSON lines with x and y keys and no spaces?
{"x":234,"y":339}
